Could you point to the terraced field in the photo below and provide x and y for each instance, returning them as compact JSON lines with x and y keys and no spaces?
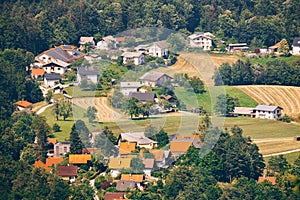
{"x":287,"y":97}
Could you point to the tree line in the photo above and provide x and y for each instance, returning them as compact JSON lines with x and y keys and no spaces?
{"x":38,"y":25}
{"x":275,"y":72}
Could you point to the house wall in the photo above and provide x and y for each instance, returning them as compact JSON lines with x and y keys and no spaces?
{"x":162,"y":80}
{"x":147,"y":172}
{"x":49,"y":83}
{"x":202,"y":42}
{"x":148,"y":146}
{"x":296,"y":50}
{"x":102,"y":45}
{"x":158,"y":52}
{"x":61,"y":149}
{"x":136,"y":60}
{"x":148,"y":83}
{"x":126,"y":91}
{"x":268,"y":115}
{"x":55,"y":69}
{"x":114,"y":172}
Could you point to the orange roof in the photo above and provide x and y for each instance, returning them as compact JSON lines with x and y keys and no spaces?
{"x":138,"y":178}
{"x":119,"y":163}
{"x":53,"y":161}
{"x":182,"y":147}
{"x":127,"y":147}
{"x":275,"y":46}
{"x":23,"y":104}
{"x":79,"y":158}
{"x":120,"y":39}
{"x":271,"y":179}
{"x":188,"y":137}
{"x":39,"y":163}
{"x":158,"y":154}
{"x":37,"y":72}
{"x":52,"y":140}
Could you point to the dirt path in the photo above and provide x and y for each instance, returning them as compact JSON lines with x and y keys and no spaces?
{"x":282,"y":153}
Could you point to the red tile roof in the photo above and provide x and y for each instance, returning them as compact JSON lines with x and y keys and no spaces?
{"x":79,"y":158}
{"x":120,"y":39}
{"x":67,"y":171}
{"x":23,"y":104}
{"x":271,"y":179}
{"x":39,"y":163}
{"x":37,"y":72}
{"x":52,"y":140}
{"x":114,"y":195}
{"x":53,"y":161}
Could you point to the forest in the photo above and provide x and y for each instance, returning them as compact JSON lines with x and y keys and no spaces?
{"x":39,"y":24}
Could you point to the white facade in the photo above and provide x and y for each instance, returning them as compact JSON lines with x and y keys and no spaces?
{"x":49,"y":83}
{"x":158,"y":50}
{"x":127,"y":87}
{"x":201,"y":41}
{"x":55,"y":69}
{"x":92,"y":78}
{"x":267,"y":112}
{"x":136,"y":57}
{"x":296,"y":50}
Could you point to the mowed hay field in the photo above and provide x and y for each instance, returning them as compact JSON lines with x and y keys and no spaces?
{"x":287,"y":97}
{"x":105,"y":113}
{"x":199,"y":64}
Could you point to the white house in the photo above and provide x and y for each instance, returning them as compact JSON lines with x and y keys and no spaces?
{"x":136,"y":57}
{"x":103,"y":44}
{"x":237,"y":47}
{"x":90,"y":74}
{"x":267,"y":112}
{"x":127,"y":87}
{"x":50,"y":80}
{"x":139,"y":138}
{"x":159,"y":49}
{"x":296,"y":46}
{"x":84,"y":41}
{"x":23,"y":105}
{"x":154,"y":79}
{"x":58,"y":59}
{"x":61,"y":148}
{"x":202,"y":40}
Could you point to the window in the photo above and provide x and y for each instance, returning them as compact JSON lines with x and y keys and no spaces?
{"x":65,"y":149}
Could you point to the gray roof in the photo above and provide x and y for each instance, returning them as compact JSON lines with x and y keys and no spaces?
{"x":153,"y":76}
{"x":296,"y":42}
{"x":148,"y":163}
{"x":147,"y":96}
{"x":130,"y":84}
{"x":243,"y":110}
{"x":60,"y":53}
{"x":83,"y":71}
{"x":124,"y":185}
{"x":52,"y":76}
{"x":138,"y":137}
{"x":266,"y":108}
{"x":161,"y":45}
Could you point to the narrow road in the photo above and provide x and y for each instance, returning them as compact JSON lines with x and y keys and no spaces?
{"x":282,"y":153}
{"x":42,"y":109}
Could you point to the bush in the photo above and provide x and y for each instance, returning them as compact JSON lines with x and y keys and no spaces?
{"x":286,"y":119}
{"x":56,"y":127}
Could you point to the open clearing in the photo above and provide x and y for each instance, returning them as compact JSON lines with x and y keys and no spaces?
{"x":199,"y":64}
{"x":105,"y":113}
{"x":287,"y":97}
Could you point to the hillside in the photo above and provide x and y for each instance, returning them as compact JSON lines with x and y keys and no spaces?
{"x":287,"y":97}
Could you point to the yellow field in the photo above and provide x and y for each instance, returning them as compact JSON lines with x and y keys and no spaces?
{"x":287,"y":97}
{"x":199,"y":64}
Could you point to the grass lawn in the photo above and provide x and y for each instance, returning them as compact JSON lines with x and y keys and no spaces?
{"x":76,"y":91}
{"x":263,"y":128}
{"x":263,"y":61}
{"x":189,"y":98}
{"x":290,"y":157}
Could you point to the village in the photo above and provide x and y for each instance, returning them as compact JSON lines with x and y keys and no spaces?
{"x":137,"y":157}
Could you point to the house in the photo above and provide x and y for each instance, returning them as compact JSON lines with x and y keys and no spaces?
{"x":85,"y":41}
{"x":58,"y":89}
{"x":161,"y":157}
{"x":154,"y":78}
{"x":90,"y":74}
{"x":125,"y":185}
{"x":127,"y":147}
{"x":50,"y":80}
{"x":37,"y":72}
{"x":80,"y":159}
{"x":39,"y":163}
{"x":23,"y":105}
{"x":181,"y":144}
{"x":271,"y":179}
{"x":51,"y":143}
{"x":50,"y":162}
{"x":159,"y":49}
{"x":172,"y":100}
{"x":116,"y":164}
{"x":137,"y":178}
{"x":143,"y":97}
{"x":127,"y":87}
{"x":139,"y":138}
{"x":239,"y":47}
{"x":296,"y":46}
{"x":274,"y":48}
{"x":148,"y":165}
{"x":61,"y":148}
{"x":68,"y":173}
{"x":202,"y":40}
{"x":243,"y":111}
{"x":104,"y":43}
{"x":267,"y":112}
{"x":114,"y":195}
{"x":137,"y":58}
{"x":58,"y":59}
